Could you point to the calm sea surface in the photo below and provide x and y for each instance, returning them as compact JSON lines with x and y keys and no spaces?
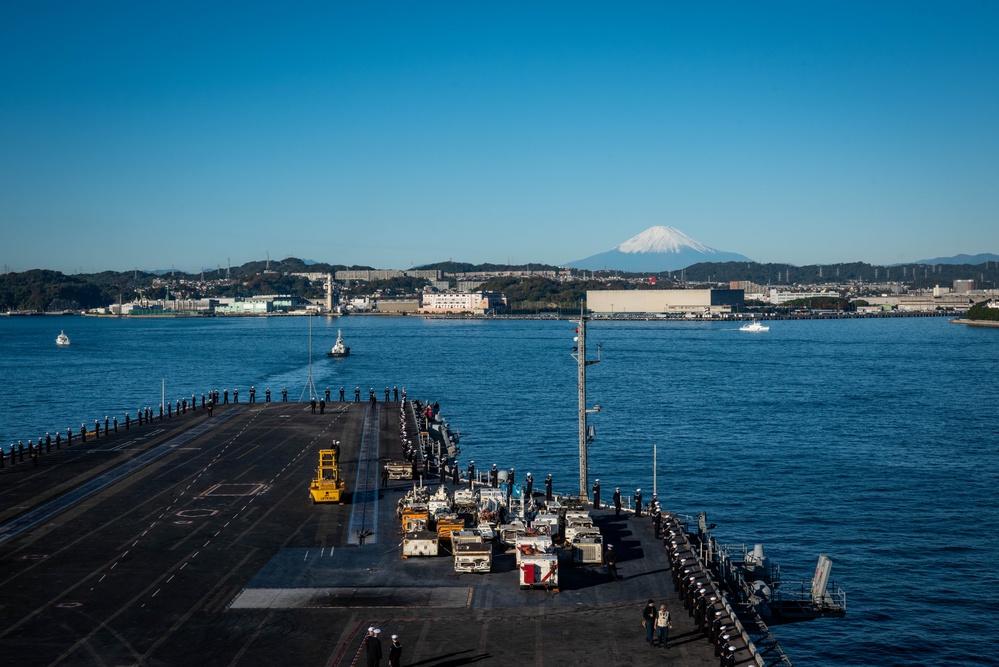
{"x":872,"y":441}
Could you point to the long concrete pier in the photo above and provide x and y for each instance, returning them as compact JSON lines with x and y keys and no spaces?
{"x":194,"y":541}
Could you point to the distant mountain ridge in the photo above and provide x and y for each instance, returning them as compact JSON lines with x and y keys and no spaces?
{"x":980,"y":258}
{"x":657,"y":249}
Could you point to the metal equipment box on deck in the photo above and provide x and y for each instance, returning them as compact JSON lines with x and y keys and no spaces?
{"x":415,"y":518}
{"x":546,"y":524}
{"x":399,"y":470}
{"x":419,"y":543}
{"x":440,"y":502}
{"x":539,"y":571}
{"x":465,"y":496}
{"x":530,"y":545}
{"x":575,"y":523}
{"x":446,"y":525}
{"x":473,"y":557}
{"x":508,"y":533}
{"x":588,"y":549}
{"x":465,"y":537}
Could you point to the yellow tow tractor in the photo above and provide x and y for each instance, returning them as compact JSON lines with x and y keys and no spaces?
{"x":327,"y":486}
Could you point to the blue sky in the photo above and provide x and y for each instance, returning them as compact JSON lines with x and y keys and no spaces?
{"x":182,"y":134}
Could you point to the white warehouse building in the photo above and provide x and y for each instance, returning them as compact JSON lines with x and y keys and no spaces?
{"x":611,"y":302}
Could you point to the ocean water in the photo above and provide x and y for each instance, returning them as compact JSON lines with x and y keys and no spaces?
{"x":872,"y":441}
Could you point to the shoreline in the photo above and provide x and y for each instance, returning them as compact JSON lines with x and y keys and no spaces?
{"x":728,"y":317}
{"x":976,"y":323}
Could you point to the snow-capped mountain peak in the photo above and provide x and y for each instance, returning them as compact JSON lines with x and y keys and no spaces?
{"x":656,"y":249}
{"x":662,"y":239}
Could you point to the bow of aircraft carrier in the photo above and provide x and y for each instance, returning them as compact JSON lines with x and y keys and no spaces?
{"x":194,"y":540}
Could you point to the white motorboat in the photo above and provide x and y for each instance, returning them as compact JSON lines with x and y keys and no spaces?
{"x":62,"y":339}
{"x":339,"y":349}
{"x":754,"y":326}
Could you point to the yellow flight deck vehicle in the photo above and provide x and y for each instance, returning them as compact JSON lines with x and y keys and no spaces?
{"x":327,"y":486}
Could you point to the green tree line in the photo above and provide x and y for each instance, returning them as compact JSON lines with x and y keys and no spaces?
{"x":981,"y":311}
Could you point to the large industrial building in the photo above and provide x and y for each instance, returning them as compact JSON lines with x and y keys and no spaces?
{"x":697,"y":301}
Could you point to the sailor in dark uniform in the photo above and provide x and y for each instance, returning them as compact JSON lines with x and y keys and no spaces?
{"x":395,"y":652}
{"x":372,"y":648}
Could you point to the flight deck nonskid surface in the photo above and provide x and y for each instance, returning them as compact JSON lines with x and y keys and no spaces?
{"x":209,"y":551}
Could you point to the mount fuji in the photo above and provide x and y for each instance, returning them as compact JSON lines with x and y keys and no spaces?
{"x":656,"y":249}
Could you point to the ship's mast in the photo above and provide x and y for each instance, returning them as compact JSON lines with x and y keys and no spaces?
{"x":310,"y":386}
{"x":584,"y":436}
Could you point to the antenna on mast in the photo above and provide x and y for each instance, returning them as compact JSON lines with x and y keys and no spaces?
{"x":310,"y":386}
{"x":586,"y":433}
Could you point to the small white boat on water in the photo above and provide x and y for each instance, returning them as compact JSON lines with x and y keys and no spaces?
{"x":754,"y":326}
{"x":339,"y":349}
{"x":62,"y":339}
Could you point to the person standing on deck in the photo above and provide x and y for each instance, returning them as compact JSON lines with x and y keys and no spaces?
{"x":610,"y":558}
{"x":663,"y":624}
{"x":649,"y":620}
{"x":617,"y":501}
{"x":395,"y":652}
{"x":372,"y":648}
{"x":638,"y":502}
{"x":596,"y":494}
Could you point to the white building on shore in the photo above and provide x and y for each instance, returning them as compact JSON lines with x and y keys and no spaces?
{"x":476,"y":303}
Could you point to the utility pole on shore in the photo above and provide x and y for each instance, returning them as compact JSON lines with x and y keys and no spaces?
{"x":585,"y":434}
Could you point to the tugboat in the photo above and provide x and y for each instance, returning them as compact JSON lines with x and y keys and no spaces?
{"x":339,"y":349}
{"x":62,"y":339}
